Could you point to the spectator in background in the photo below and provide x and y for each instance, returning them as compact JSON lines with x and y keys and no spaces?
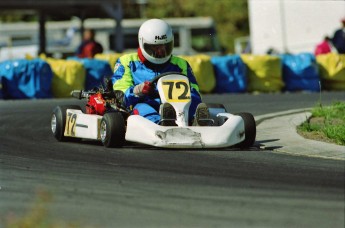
{"x":89,"y":46}
{"x":339,"y":38}
{"x":324,"y":47}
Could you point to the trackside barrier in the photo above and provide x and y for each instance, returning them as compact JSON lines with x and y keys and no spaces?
{"x":230,"y":73}
{"x":111,"y":58}
{"x":203,"y":71}
{"x":48,"y":77}
{"x":68,"y":75}
{"x":332,"y":71}
{"x":96,"y":71}
{"x":25,"y":79}
{"x":300,"y":72}
{"x":264,"y":73}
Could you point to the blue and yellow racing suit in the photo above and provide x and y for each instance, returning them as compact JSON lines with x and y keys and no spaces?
{"x":130,"y":71}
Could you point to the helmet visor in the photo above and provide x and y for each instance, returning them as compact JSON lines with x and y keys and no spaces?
{"x":159,"y":50}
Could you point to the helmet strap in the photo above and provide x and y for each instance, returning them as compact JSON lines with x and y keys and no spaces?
{"x":141,"y":56}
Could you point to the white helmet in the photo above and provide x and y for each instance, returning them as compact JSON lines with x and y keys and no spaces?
{"x":156,"y":40}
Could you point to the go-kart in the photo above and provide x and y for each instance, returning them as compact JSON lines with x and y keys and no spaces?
{"x":105,"y":119}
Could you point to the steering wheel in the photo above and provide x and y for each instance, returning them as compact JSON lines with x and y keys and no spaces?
{"x":156,"y":78}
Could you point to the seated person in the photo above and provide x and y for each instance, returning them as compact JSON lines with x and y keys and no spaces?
{"x":133,"y":71}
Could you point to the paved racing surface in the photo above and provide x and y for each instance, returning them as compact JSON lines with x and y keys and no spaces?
{"x":86,"y":184}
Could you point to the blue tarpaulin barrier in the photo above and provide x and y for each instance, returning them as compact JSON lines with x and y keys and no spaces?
{"x":25,"y":79}
{"x":230,"y":73}
{"x":96,"y":71}
{"x":300,"y":72}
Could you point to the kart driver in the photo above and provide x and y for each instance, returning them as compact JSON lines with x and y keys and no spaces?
{"x":133,"y":72}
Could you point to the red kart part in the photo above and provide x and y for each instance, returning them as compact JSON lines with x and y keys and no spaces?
{"x":96,"y":104}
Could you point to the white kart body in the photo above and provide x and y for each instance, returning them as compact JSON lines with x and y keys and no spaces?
{"x":173,"y":88}
{"x":144,"y":131}
{"x":81,"y":125}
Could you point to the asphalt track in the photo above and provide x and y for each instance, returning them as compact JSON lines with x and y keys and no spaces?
{"x":137,"y":186}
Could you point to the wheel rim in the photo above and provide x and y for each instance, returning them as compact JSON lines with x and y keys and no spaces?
{"x":103,"y":131}
{"x":53,"y":123}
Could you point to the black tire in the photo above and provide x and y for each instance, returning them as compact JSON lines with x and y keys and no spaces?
{"x":58,"y":121}
{"x":113,"y":129}
{"x":249,"y":130}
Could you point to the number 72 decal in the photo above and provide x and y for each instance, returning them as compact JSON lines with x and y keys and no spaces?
{"x":71,"y":119}
{"x":176,"y":90}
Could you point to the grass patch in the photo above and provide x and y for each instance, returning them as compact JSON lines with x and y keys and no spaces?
{"x":325,"y":124}
{"x":37,"y":216}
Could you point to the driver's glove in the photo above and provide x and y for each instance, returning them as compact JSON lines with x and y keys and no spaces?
{"x":144,"y":88}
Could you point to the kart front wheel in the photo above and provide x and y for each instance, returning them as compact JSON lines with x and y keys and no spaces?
{"x":113,"y":130}
{"x":58,"y":122}
{"x":249,"y":130}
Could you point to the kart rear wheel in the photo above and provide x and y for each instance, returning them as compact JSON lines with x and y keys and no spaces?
{"x":58,"y":121}
{"x":113,"y":130}
{"x":249,"y":130}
